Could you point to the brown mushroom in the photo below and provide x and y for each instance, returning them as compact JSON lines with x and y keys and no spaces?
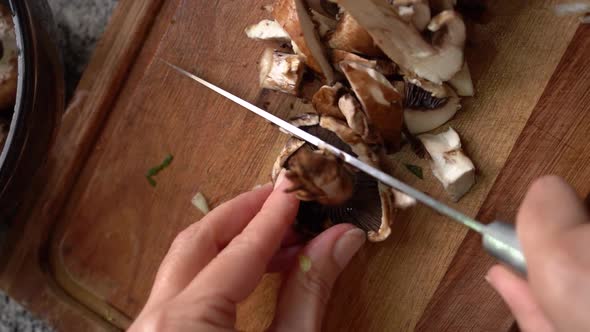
{"x":8,"y":61}
{"x":351,"y":37}
{"x":281,"y":71}
{"x":402,"y":42}
{"x":383,"y":66}
{"x":319,"y":176}
{"x":371,"y":206}
{"x":325,"y":100}
{"x":381,"y":102}
{"x":295,"y":19}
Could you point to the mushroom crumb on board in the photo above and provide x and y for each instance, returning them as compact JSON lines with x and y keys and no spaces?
{"x":389,"y":70}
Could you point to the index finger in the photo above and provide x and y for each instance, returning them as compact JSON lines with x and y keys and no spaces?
{"x":243,"y":262}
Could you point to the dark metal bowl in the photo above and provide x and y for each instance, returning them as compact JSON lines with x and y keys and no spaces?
{"x":39,"y":102}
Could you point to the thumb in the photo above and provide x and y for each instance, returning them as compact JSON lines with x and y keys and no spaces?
{"x":519,"y":298}
{"x":306,"y":290}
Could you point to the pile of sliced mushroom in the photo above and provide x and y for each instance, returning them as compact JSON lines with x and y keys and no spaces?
{"x":391,"y":69}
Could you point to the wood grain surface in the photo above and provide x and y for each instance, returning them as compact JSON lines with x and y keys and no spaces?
{"x":93,"y":241}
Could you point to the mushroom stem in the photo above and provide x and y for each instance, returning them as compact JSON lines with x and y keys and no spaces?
{"x":449,"y":163}
{"x":281,"y":71}
{"x":462,"y":82}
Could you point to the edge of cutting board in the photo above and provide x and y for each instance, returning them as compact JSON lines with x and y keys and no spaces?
{"x":23,"y":264}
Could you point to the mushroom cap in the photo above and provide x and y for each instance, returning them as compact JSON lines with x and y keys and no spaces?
{"x":362,"y":208}
{"x":319,"y":176}
{"x":8,"y":61}
{"x":351,"y":37}
{"x":325,"y":100}
{"x":381,"y":102}
{"x":295,"y":19}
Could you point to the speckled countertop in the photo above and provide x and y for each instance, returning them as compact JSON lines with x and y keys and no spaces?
{"x":80,"y":23}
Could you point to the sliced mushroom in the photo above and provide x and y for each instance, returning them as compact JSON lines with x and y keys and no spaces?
{"x":281,"y":71}
{"x":423,"y":112}
{"x":357,"y":120}
{"x":403,"y":43}
{"x":449,"y":163}
{"x":323,"y":23}
{"x":381,"y":102}
{"x":267,"y":30}
{"x":8,"y":60}
{"x":462,"y":82}
{"x":383,"y":66}
{"x":325,"y":100}
{"x":415,"y":11}
{"x":295,"y":19}
{"x":319,"y":176}
{"x":351,"y":37}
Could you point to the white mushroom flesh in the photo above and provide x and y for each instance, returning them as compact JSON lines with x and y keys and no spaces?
{"x":281,"y":71}
{"x":449,"y":163}
{"x":462,"y":82}
{"x":267,"y":30}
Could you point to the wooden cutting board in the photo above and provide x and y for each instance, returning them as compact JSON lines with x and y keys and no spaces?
{"x":83,"y":254}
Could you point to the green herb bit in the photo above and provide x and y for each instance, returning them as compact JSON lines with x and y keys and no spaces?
{"x":416,"y":170}
{"x":304,"y":263}
{"x":151,"y":181}
{"x":156,"y":169}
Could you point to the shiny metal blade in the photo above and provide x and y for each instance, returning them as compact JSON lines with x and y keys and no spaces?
{"x":370,"y":170}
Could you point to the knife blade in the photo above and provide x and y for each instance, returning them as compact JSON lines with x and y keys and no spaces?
{"x":499,"y":238}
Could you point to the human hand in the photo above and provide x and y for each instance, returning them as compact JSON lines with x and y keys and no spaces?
{"x":552,"y":225}
{"x":217,"y":262}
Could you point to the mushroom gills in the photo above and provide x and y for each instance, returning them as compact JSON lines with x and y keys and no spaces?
{"x":363,"y":210}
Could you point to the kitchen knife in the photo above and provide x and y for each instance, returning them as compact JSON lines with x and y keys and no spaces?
{"x":498,"y":238}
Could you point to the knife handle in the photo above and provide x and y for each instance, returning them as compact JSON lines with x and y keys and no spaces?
{"x":500,"y":240}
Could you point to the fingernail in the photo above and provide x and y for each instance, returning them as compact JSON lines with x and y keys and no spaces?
{"x":280,"y":178}
{"x":347,"y":246}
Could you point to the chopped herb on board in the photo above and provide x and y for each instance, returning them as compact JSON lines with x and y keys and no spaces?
{"x":157,"y":169}
{"x":416,"y":170}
